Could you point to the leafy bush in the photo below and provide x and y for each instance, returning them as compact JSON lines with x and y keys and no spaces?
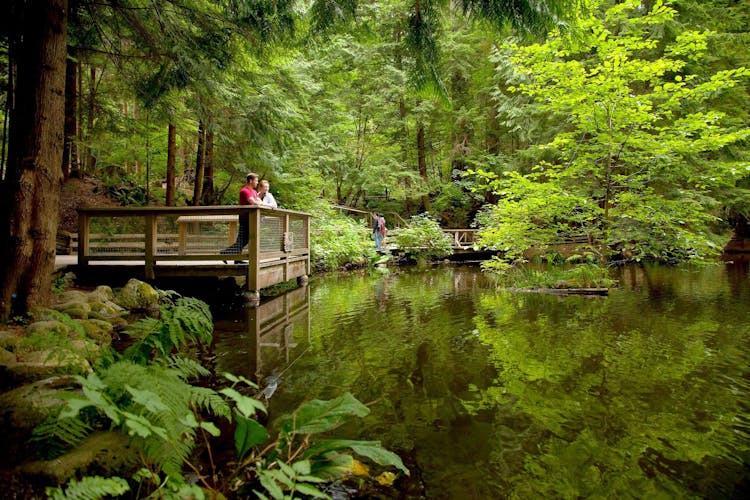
{"x":338,"y":241}
{"x":422,"y":238}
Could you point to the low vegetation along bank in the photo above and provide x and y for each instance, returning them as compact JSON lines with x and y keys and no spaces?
{"x":103,"y":394}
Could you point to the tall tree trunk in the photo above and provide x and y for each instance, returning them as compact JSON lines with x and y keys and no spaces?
{"x":70,"y":165}
{"x":30,"y":192}
{"x":422,"y":162}
{"x":90,"y":104}
{"x":209,"y":196}
{"x":200,"y":157}
{"x":171,"y":146}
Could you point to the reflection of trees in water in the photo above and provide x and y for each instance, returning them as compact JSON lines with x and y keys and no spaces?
{"x":632,"y":397}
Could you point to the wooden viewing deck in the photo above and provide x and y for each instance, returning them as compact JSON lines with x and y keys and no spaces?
{"x":188,"y":241}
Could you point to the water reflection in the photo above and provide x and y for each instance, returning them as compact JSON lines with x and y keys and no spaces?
{"x":496,"y":395}
{"x":266,"y":339}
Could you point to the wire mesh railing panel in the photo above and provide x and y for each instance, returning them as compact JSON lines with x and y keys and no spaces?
{"x":271,"y":233}
{"x":298,"y":227}
{"x":209,"y":234}
{"x":116,"y":236}
{"x":167,"y":236}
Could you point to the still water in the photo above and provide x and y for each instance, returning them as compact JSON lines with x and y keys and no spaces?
{"x":489,"y":394}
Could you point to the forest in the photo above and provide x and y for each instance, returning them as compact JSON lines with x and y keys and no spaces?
{"x":619,"y":123}
{"x":620,"y":127}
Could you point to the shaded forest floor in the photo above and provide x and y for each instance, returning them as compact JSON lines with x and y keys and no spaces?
{"x":77,"y":193}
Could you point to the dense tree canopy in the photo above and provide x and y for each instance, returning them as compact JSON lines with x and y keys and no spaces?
{"x":625,"y":125}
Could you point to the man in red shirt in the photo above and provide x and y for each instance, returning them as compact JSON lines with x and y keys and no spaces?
{"x":248,"y":196}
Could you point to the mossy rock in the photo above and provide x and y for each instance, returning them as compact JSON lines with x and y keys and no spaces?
{"x":118,"y":323}
{"x":102,"y":293}
{"x":48,"y":362}
{"x":137,"y":295}
{"x":106,"y":309}
{"x":74,"y":308}
{"x":6,"y":357}
{"x":104,"y":454}
{"x":98,"y":329}
{"x":73,"y":296}
{"x":25,"y":407}
{"x":49,"y":328}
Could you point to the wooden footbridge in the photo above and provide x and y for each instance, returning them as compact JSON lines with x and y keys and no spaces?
{"x":159,"y":242}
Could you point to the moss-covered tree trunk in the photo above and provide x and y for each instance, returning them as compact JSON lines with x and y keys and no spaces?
{"x":31,"y":189}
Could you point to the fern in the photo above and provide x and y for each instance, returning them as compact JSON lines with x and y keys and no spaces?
{"x":56,"y":435}
{"x":89,"y":488}
{"x":154,"y":404}
{"x":188,"y":321}
{"x":187,"y":368}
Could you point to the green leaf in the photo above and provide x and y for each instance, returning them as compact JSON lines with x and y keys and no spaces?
{"x":301,"y":467}
{"x":147,"y":399}
{"x":269,"y":483}
{"x":239,"y":378}
{"x":245,"y":404}
{"x":370,"y":449}
{"x":310,"y":490}
{"x":210,"y":428}
{"x":289,"y":471}
{"x":247,"y":434}
{"x":318,"y":416}
{"x":75,"y":405}
{"x":281,"y":476}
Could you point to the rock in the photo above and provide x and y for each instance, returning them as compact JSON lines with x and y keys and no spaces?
{"x":25,"y":407}
{"x":45,"y":363}
{"x":137,"y":295}
{"x":103,"y":293}
{"x":6,"y":357}
{"x":106,"y":309}
{"x":74,"y":308}
{"x":98,"y":329}
{"x":73,"y":296}
{"x":48,"y":328}
{"x":103,"y":453}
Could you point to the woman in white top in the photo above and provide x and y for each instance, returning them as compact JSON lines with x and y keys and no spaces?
{"x":265,"y":196}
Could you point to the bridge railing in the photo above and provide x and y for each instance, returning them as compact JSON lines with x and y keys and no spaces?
{"x":461,"y":238}
{"x":278,"y":246}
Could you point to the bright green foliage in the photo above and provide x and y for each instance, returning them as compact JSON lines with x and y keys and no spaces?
{"x":339,"y":241}
{"x":422,"y":238}
{"x":282,"y":474}
{"x":89,"y":488}
{"x":155,"y":405}
{"x":637,"y":168}
{"x":184,"y":322}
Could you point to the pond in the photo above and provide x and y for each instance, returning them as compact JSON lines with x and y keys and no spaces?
{"x":489,"y":394}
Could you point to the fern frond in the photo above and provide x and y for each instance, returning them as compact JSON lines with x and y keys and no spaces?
{"x":89,"y":488}
{"x":56,"y":435}
{"x":208,"y":400}
{"x":186,"y":321}
{"x":187,"y":368}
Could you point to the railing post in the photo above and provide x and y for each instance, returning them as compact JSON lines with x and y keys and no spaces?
{"x":253,"y":248}
{"x":150,"y":230}
{"x":83,"y":239}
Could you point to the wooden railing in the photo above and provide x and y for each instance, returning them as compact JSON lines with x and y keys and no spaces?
{"x":278,"y":246}
{"x":461,"y":238}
